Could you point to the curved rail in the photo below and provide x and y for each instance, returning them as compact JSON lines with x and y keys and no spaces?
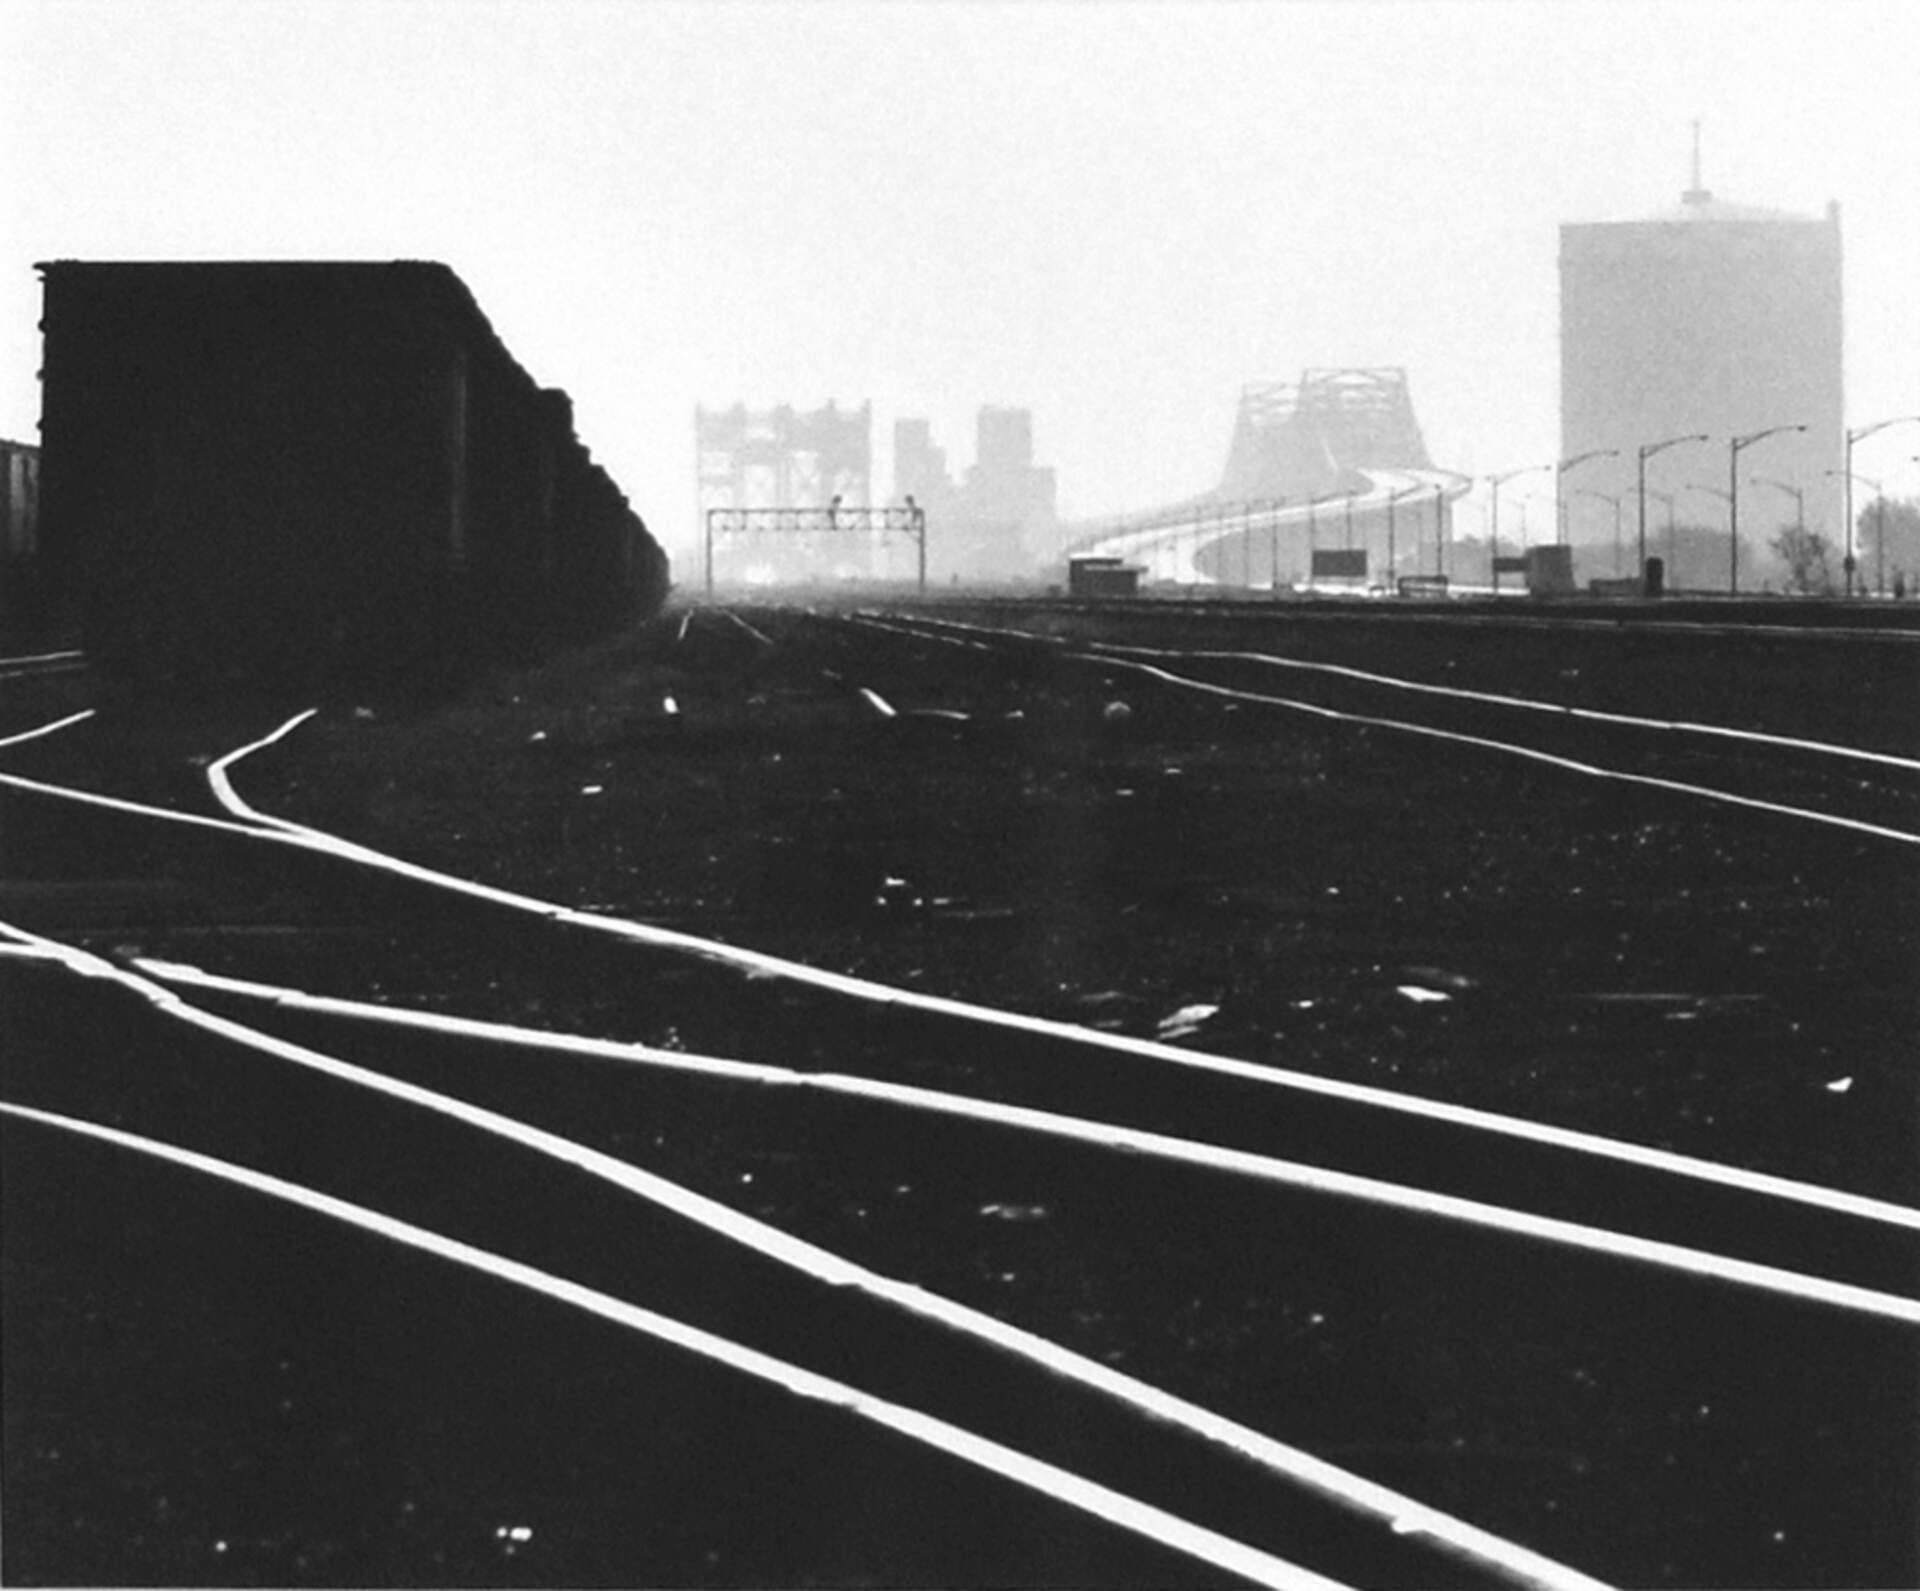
{"x":1402,"y":1515}
{"x":1109,"y":1135}
{"x":43,"y":663}
{"x":1112,"y":657}
{"x":759,"y":963}
{"x":52,"y":728}
{"x":265,"y":828}
{"x":1128,"y":1513}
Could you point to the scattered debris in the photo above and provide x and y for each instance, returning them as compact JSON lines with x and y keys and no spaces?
{"x":1439,"y":977}
{"x":1187,"y":1019}
{"x":1015,"y":1212}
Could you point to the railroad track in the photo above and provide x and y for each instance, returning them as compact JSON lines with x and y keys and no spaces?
{"x":26,"y":666}
{"x":903,"y":1194}
{"x":1864,"y":790}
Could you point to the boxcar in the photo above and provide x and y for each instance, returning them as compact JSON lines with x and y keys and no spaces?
{"x":313,"y":469}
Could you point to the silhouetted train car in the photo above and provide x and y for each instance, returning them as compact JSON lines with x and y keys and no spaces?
{"x":19,"y":536}
{"x":312,"y":469}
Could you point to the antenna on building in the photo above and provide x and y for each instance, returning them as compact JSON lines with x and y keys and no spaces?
{"x":1696,"y":194}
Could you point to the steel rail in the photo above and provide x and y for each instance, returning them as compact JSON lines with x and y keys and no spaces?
{"x":1402,"y":1515}
{"x":43,"y":663}
{"x":1101,"y":1134}
{"x":762,"y":964}
{"x":1090,"y":1497}
{"x":1511,"y":748}
{"x":264,"y":828}
{"x":1533,"y":754}
{"x":1326,"y":607}
{"x":54,"y":727}
{"x":1492,"y":698}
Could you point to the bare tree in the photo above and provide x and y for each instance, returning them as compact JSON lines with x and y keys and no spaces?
{"x":1806,"y":553}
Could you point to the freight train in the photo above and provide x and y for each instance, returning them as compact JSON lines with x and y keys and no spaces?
{"x":313,"y":470}
{"x":19,"y":538}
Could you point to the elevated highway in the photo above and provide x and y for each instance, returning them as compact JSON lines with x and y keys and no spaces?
{"x":1399,"y":518}
{"x":1333,"y":460}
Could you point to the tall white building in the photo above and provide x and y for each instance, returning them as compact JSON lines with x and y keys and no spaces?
{"x":1712,"y":317}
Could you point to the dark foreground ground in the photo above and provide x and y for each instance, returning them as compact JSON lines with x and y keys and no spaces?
{"x":1728,"y":984}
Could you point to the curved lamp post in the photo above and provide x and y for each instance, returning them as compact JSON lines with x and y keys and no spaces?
{"x":1669,"y":498}
{"x":1647,"y":451}
{"x":1493,"y":532}
{"x":1879,"y":526}
{"x":1799,"y":505}
{"x":1799,"y":497}
{"x":1613,"y":500}
{"x":1853,"y":437}
{"x":1274,"y":507}
{"x":1559,"y":479}
{"x":1313,"y":524}
{"x":1709,"y":491}
{"x":1392,"y":559}
{"x":1733,"y":497}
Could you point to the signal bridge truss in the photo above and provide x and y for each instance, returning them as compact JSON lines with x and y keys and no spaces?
{"x":875,"y":522}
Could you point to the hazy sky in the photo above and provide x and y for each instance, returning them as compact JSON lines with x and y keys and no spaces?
{"x":1113,"y":214}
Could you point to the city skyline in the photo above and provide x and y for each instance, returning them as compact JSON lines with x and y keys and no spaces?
{"x":1113,"y":216}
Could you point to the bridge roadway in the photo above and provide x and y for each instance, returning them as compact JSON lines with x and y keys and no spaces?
{"x":1168,"y":550}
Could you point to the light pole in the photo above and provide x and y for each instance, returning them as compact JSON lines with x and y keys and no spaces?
{"x":1273,"y":545}
{"x":1709,"y":491}
{"x":1733,"y":497}
{"x":1853,"y":437}
{"x":1493,"y":531}
{"x":1559,"y":479}
{"x":1613,"y":500}
{"x":1799,"y":511}
{"x":1672,"y":551}
{"x":1647,"y":451}
{"x":1393,"y":561}
{"x":1313,"y":524}
{"x":1799,"y":498}
{"x":1879,"y":529}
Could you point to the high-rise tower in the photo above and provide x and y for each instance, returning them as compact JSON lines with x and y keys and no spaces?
{"x":1712,"y":317}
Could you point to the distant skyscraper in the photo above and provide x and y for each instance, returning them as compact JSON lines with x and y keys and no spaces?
{"x":1715,"y":318}
{"x":1000,"y":522}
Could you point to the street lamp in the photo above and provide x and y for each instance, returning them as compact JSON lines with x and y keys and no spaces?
{"x":1709,"y":491}
{"x":1733,"y":497}
{"x":1393,"y":561}
{"x":1799,"y":497}
{"x":1853,"y":437}
{"x":1273,"y":507}
{"x":1559,"y":477}
{"x":1614,"y":500}
{"x":1879,"y":530}
{"x":1493,"y":533}
{"x":1647,"y":451}
{"x":1313,"y":524}
{"x":1799,"y":507}
{"x":1673,"y":561}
